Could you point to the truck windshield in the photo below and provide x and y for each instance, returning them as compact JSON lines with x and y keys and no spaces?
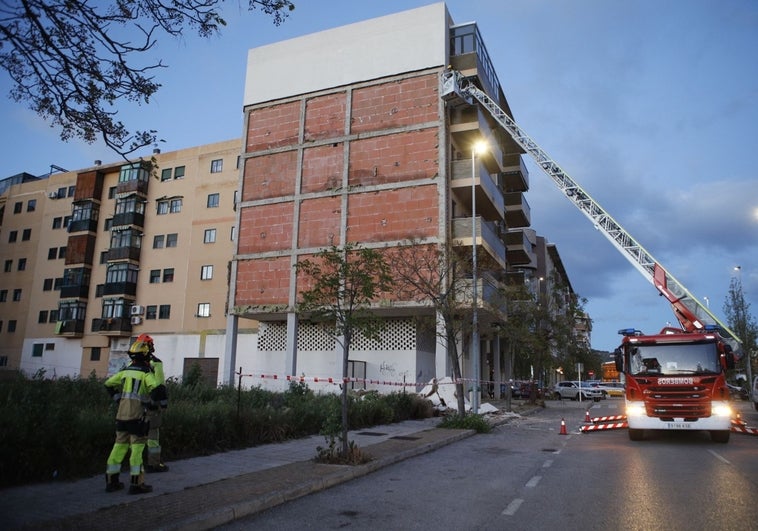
{"x":692,"y":358}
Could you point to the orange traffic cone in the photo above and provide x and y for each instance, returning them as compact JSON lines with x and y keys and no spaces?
{"x":563,"y":427}
{"x":587,"y":416}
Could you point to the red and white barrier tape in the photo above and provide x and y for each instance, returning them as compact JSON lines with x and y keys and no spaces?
{"x":598,"y":427}
{"x":609,"y":418}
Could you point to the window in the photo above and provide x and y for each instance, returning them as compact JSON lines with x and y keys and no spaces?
{"x":103,"y":257}
{"x":176,"y":206}
{"x":232,"y":233}
{"x":22,"y":264}
{"x":94,"y":354}
{"x":151,"y":311}
{"x":158,"y":241}
{"x":210,"y":236}
{"x":17,"y":294}
{"x":37,"y":350}
{"x":212,"y":201}
{"x":179,"y":172}
{"x":53,"y":315}
{"x":108,"y":224}
{"x":204,"y":309}
{"x":57,"y":283}
{"x":164,"y":311}
{"x":239,"y":158}
{"x":11,"y":326}
{"x":61,"y":252}
{"x":168,"y":274}
{"x":8,"y":266}
{"x":57,"y":222}
{"x":71,"y":190}
{"x":61,"y":192}
{"x":47,"y":284}
{"x":42,"y":317}
{"x":18,"y":207}
{"x":172,"y":239}
{"x":1,"y":326}
{"x":67,"y":221}
{"x":111,"y":192}
{"x":12,"y":236}
{"x":31,"y":205}
{"x":155,"y":276}
{"x":26,"y":235}
{"x":3,"y":359}
{"x":206,"y":272}
{"x":162,"y":208}
{"x":3,"y":295}
{"x":217,"y":165}
{"x":166,"y":174}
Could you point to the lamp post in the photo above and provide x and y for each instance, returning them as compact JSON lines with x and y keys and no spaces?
{"x":478,"y":147}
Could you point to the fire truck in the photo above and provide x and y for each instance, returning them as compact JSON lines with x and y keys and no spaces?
{"x":675,"y":379}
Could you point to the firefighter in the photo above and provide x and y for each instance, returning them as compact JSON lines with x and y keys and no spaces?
{"x":158,"y":402}
{"x":134,"y":384}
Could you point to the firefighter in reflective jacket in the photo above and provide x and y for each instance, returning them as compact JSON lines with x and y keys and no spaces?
{"x":132,"y":386}
{"x":158,"y":403}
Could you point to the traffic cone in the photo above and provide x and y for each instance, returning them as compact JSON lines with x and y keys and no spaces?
{"x":563,"y":427}
{"x":587,"y":416}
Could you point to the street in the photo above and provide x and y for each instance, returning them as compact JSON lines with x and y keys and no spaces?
{"x":527,"y":475}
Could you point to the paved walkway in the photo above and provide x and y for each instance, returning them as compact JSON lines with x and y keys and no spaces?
{"x":205,"y":492}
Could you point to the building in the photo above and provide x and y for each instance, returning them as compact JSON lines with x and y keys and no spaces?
{"x":347,"y":140}
{"x":94,"y":257}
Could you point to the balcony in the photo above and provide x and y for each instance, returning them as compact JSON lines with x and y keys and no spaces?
{"x":75,"y":291}
{"x":520,"y":245}
{"x":83,"y":225}
{"x":491,"y":302}
{"x":127,"y":219}
{"x":515,"y":176}
{"x":112,"y":326}
{"x":487,"y":238}
{"x":517,"y":211}
{"x":124,"y":253}
{"x":131,"y":186}
{"x":120,"y":288}
{"x":70,"y":328}
{"x":468,"y":126}
{"x":489,"y":198}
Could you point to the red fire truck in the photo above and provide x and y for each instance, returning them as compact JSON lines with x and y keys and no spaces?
{"x":675,"y":379}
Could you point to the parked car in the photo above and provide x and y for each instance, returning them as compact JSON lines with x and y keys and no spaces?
{"x":596,"y":385}
{"x":737,"y":393}
{"x":573,"y":390}
{"x":613,"y":388}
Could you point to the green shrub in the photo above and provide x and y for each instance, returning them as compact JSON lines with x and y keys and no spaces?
{"x":470,"y":422}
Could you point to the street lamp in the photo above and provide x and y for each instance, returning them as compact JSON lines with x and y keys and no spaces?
{"x":478,"y":148}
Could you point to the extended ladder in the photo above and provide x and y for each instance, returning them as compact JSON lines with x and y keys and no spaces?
{"x":689,"y":311}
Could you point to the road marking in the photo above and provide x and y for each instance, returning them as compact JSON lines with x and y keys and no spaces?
{"x":512,"y":507}
{"x":720,"y":458}
{"x":533,"y":482}
{"x":547,"y":464}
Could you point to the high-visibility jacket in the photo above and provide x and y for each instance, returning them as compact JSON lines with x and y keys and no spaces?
{"x":159,"y":395}
{"x":134,"y":383}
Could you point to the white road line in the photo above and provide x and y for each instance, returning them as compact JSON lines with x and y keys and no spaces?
{"x":547,"y":464}
{"x":533,"y":482}
{"x":512,"y":507}
{"x":719,"y":457}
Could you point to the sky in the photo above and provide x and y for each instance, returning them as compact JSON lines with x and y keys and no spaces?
{"x":650,"y":106}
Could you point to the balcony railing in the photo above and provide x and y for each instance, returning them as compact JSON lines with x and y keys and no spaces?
{"x":120,"y":288}
{"x":118,"y":326}
{"x":124,"y":253}
{"x":520,"y":248}
{"x":487,"y":238}
{"x":489,"y":199}
{"x":515,"y":176}
{"x":74,"y":291}
{"x":517,"y":211}
{"x":70,"y":328}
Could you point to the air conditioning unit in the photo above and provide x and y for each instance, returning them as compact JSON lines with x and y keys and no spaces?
{"x":53,"y":195}
{"x":136,"y":319}
{"x":137,"y":310}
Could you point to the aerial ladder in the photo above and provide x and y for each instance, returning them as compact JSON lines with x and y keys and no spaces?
{"x":691,"y":314}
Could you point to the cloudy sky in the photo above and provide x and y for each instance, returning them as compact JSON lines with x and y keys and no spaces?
{"x":650,"y":106}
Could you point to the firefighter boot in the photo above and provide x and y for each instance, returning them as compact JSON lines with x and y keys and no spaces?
{"x":138,"y":487}
{"x":112,"y":484}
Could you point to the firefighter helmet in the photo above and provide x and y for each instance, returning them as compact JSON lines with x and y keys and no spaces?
{"x":142,"y":346}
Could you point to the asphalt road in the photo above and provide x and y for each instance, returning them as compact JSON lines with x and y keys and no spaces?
{"x":527,"y":475}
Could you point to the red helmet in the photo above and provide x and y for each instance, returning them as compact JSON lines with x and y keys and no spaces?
{"x":143,"y":345}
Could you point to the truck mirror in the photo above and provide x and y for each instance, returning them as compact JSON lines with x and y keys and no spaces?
{"x":618,"y":357}
{"x":729,"y":357}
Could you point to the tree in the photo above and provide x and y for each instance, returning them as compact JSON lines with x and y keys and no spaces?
{"x":436,"y":276}
{"x":742,"y":322}
{"x":342,"y":285}
{"x":74,"y":61}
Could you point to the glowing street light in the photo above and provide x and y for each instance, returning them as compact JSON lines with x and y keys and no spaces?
{"x":478,"y":148}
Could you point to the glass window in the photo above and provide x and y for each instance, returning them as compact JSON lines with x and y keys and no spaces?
{"x":31,"y":205}
{"x":176,"y":206}
{"x":42,"y":317}
{"x":232,"y":233}
{"x":52,"y":253}
{"x":213,"y":200}
{"x":151,"y":311}
{"x":61,"y":252}
{"x":168,"y":274}
{"x":12,"y":236}
{"x":22,"y":264}
{"x":162,"y":207}
{"x":26,"y":235}
{"x":164,"y":311}
{"x":158,"y":241}
{"x":206,"y":272}
{"x":179,"y":172}
{"x":217,"y":165}
{"x":16,"y":294}
{"x":204,"y":309}
{"x":71,"y":190}
{"x":3,"y":295}
{"x":94,"y":354}
{"x":172,"y":239}
{"x":53,"y":315}
{"x":18,"y":207}
{"x":8,"y":266}
{"x":210,"y":236}
{"x":47,"y":284}
{"x":155,"y":276}
{"x":61,"y":193}
{"x":57,"y":222}
{"x":37,"y":350}
{"x":11,"y":326}
{"x":166,"y":174}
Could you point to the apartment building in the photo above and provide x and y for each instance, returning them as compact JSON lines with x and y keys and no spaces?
{"x":94,"y":257}
{"x":347,"y":140}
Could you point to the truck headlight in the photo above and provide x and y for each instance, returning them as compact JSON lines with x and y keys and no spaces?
{"x":721,"y":409}
{"x":635,"y":409}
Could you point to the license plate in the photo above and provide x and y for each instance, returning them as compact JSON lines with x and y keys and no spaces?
{"x":679,"y":426}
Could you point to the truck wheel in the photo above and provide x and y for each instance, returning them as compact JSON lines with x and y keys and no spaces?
{"x":636,"y":435}
{"x":720,"y":436}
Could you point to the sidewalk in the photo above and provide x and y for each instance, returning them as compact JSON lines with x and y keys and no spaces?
{"x":205,"y":492}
